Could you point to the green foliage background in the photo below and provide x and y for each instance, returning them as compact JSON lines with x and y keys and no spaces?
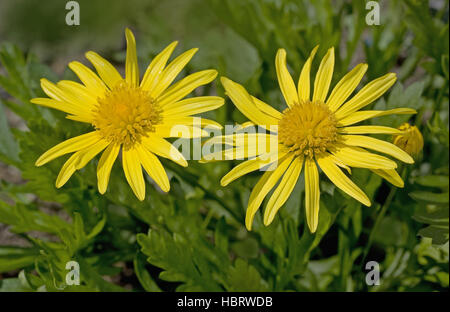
{"x":193,"y":238}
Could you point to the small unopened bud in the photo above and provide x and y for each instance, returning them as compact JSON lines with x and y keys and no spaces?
{"x":411,"y":141}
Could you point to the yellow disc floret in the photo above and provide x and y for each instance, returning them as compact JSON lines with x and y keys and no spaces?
{"x":308,"y":128}
{"x":125,"y":114}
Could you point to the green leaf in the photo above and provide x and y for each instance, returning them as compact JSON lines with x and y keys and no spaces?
{"x":438,"y":181}
{"x":429,"y":197}
{"x":437,"y":217}
{"x":13,"y":258}
{"x":9,"y":149}
{"x":244,"y":277}
{"x":142,"y":274}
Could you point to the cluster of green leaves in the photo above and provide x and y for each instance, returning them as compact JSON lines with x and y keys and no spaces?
{"x":193,"y":238}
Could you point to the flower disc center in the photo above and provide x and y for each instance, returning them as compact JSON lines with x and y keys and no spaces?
{"x":125,"y":114}
{"x":308,"y":128}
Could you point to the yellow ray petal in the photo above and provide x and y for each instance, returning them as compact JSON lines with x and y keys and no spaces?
{"x":67,"y":170}
{"x":171,"y":72}
{"x":390,"y":175}
{"x":92,"y":82}
{"x":249,"y":166}
{"x":69,"y":146}
{"x":78,"y":161}
{"x":79,"y":93}
{"x":105,"y":165}
{"x":163,"y":148}
{"x":312,"y":194}
{"x":341,"y":180}
{"x":191,"y":121}
{"x":285,"y":81}
{"x":185,"y":86}
{"x":304,"y":82}
{"x":79,"y":118}
{"x":364,"y":115}
{"x":90,"y":152}
{"x":240,"y":153}
{"x":372,"y":91}
{"x":360,"y":158}
{"x":154,"y":168}
{"x":377,"y":145}
{"x":323,"y":76}
{"x":345,"y":87}
{"x":131,"y":63}
{"x":154,"y":70}
{"x":192,"y":106}
{"x":369,"y":130}
{"x":61,"y":93}
{"x":62,"y":106}
{"x":283,"y":190}
{"x":242,"y":139}
{"x":267,"y":109}
{"x":340,"y":163}
{"x":243,"y":101}
{"x":173,"y":128}
{"x":263,"y":187}
{"x":105,"y":69}
{"x":133,"y":172}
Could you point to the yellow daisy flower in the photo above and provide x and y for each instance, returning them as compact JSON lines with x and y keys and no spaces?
{"x":315,"y":132}
{"x":411,"y":140}
{"x":128,"y":116}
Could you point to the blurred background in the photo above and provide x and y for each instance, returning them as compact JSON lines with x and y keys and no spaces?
{"x":199,"y":220}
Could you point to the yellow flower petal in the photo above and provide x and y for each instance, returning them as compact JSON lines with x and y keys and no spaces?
{"x":174,"y":128}
{"x":69,"y":146}
{"x":367,"y":95}
{"x":360,"y":158}
{"x":92,"y":82}
{"x":154,"y":70}
{"x":79,"y":118}
{"x":90,"y":152}
{"x":192,"y":106}
{"x":185,"y":86}
{"x":79,"y":94}
{"x":105,"y":69}
{"x":369,"y":130}
{"x":154,"y":168}
{"x":249,"y":166}
{"x":131,"y":63}
{"x":73,"y":103}
{"x":105,"y":165}
{"x":304,"y":82}
{"x":133,"y":172}
{"x":171,"y":72}
{"x":341,"y":180}
{"x":364,"y":115}
{"x":285,"y":81}
{"x":163,"y":148}
{"x":67,"y":170}
{"x":267,"y":109}
{"x":243,"y":101}
{"x":390,"y":175}
{"x":323,"y":76}
{"x":377,"y":145}
{"x":283,"y":190}
{"x":191,"y":121}
{"x":345,"y":87}
{"x":62,"y":106}
{"x":263,"y":187}
{"x":312,"y":194}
